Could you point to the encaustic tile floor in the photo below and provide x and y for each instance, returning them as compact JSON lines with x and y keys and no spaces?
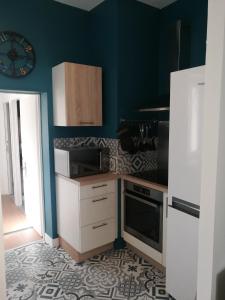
{"x":37,"y":271}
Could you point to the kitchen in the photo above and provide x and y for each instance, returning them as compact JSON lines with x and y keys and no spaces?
{"x":87,"y":132}
{"x":86,"y":190}
{"x":139,"y":158}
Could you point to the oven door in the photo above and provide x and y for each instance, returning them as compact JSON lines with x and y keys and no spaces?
{"x":143,"y":219}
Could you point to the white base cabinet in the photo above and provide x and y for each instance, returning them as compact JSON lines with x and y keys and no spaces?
{"x":68,"y":206}
{"x":97,"y":235}
{"x":86,"y":214}
{"x":97,"y":208}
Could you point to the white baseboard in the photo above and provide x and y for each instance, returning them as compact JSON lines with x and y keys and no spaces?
{"x":51,"y":242}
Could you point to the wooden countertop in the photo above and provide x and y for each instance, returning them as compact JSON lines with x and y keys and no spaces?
{"x":145,"y":183}
{"x":86,"y":180}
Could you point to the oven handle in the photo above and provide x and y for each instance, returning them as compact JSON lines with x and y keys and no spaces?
{"x":141,"y":200}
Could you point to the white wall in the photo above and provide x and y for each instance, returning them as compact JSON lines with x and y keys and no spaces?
{"x":212,"y":218}
{"x":3,"y":189}
{"x":2,"y":262}
{"x":4,"y":180}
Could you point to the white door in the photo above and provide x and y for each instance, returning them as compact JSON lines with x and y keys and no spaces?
{"x":31,"y":155}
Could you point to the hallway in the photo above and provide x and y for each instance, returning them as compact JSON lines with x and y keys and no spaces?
{"x":14,"y":218}
{"x":16,"y":228}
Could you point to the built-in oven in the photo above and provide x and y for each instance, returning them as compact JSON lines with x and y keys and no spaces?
{"x":143,"y":214}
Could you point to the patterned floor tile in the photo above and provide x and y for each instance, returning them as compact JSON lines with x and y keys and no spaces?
{"x":22,"y":290}
{"x":37,"y":271}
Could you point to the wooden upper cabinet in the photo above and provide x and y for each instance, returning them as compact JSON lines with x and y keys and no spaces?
{"x":77,"y":95}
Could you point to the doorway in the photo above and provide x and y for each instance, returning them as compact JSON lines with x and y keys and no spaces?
{"x":21,"y":168}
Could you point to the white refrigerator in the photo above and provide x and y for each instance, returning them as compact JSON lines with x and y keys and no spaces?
{"x":185,"y":144}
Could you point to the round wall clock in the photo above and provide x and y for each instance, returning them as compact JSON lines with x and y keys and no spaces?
{"x":17,"y":57}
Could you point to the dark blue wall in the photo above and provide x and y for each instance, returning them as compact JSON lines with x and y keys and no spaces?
{"x":138,"y":36}
{"x":194,"y":13}
{"x":103,"y":38}
{"x":125,"y":37}
{"x":58,"y":33}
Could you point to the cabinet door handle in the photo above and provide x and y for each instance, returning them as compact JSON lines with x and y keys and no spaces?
{"x":86,"y":123}
{"x":101,"y":199}
{"x":96,"y":227}
{"x":99,"y":186}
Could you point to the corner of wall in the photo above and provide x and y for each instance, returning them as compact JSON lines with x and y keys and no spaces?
{"x":51,"y":242}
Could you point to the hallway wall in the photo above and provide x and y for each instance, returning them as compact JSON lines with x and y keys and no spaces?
{"x":6,"y":180}
{"x":2,"y":257}
{"x":3,"y":160}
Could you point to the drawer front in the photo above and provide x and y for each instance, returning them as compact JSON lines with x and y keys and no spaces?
{"x":97,"y":208}
{"x":97,"y":235}
{"x":99,"y":188}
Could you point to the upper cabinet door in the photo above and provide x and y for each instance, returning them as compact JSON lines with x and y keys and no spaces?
{"x":77,"y":95}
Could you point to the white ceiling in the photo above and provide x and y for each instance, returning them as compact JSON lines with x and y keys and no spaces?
{"x":82,"y":4}
{"x":158,"y":3}
{"x":90,"y":4}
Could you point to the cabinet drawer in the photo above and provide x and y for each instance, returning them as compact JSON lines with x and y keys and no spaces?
{"x":99,"y":188}
{"x":97,"y":235}
{"x":97,"y":208}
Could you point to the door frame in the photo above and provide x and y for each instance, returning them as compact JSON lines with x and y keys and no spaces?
{"x":41,"y":177}
{"x":40,"y":159}
{"x":17,"y":95}
{"x":40,"y":164}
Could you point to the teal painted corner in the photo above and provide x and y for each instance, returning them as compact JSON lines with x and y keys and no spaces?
{"x":119,"y":243}
{"x":48,"y":169}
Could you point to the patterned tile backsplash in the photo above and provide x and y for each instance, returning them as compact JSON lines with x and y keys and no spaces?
{"x":120,"y":161}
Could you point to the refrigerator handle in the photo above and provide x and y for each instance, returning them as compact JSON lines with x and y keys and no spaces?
{"x":167,"y":207}
{"x":185,"y":207}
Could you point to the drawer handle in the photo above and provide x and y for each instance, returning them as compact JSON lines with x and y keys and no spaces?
{"x":101,"y":199}
{"x":86,"y":123}
{"x":99,"y":186}
{"x":103,"y":224}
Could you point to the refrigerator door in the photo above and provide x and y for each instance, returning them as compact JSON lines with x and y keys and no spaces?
{"x":182,"y":254}
{"x":186,"y":119}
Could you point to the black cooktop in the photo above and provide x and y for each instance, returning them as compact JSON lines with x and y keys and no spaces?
{"x":157,"y":176}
